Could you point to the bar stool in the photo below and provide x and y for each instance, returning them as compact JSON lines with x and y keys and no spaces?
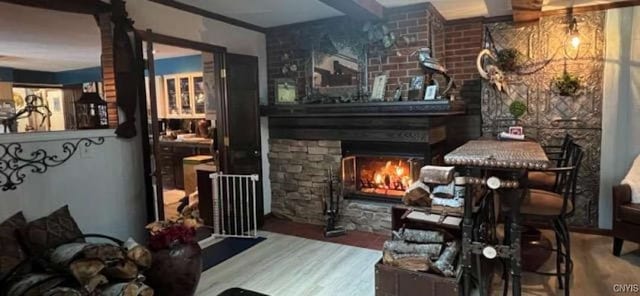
{"x":545,"y":179}
{"x":555,"y":206}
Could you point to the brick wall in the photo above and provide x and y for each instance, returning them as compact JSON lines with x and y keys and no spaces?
{"x":108,"y":73}
{"x":398,"y":63}
{"x":411,"y":21}
{"x":463,"y":42}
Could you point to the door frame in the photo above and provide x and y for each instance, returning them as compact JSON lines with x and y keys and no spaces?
{"x":219,"y":53}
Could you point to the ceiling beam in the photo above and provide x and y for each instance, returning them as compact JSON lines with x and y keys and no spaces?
{"x":526,"y":11}
{"x":75,"y":6}
{"x":358,"y":9}
{"x":208,"y":14}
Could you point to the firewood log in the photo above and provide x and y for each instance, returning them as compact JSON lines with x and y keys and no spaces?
{"x":444,"y":264}
{"x":417,"y":195}
{"x":121,"y":289}
{"x":137,"y":253}
{"x":105,"y":252}
{"x":84,"y":270}
{"x":62,"y":291}
{"x":123,"y":270}
{"x":419,"y":236}
{"x":402,"y":247}
{"x":411,"y":262}
{"x":62,"y":256}
{"x":144,"y":290}
{"x":94,"y":282}
{"x":436,"y":174}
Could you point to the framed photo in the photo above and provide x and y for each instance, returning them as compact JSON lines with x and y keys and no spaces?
{"x":430,"y":92}
{"x":417,"y":82}
{"x":379,"y":86}
{"x":516,"y":130}
{"x":286,"y":91}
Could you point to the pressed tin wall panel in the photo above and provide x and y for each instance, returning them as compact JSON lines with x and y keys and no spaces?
{"x":547,"y":53}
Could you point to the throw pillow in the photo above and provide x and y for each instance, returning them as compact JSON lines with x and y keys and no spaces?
{"x":633,"y":180}
{"x":11,"y":252}
{"x":51,"y":231}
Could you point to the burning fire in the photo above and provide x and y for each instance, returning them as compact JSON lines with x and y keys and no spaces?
{"x":393,"y":175}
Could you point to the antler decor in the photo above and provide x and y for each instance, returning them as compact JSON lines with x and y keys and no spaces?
{"x":15,"y":163}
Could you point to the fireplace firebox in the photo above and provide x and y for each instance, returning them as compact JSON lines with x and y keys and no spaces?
{"x":380,"y":171}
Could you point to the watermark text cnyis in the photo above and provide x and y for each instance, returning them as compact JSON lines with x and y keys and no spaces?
{"x":626,"y":288}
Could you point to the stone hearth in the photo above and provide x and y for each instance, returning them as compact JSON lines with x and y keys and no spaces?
{"x":298,"y":186}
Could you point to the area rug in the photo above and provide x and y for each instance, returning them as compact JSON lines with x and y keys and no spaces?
{"x":225,"y":249}
{"x":240,"y":292}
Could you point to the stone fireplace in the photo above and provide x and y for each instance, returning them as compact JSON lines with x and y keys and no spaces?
{"x":299,"y":174}
{"x":376,"y":150}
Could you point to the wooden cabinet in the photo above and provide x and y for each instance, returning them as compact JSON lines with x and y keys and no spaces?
{"x":171,"y":157}
{"x":184,"y":96}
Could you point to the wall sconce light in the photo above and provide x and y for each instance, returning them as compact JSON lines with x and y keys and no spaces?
{"x":574,"y":35}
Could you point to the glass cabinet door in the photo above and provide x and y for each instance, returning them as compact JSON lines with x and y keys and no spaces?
{"x":185,"y":96}
{"x":198,"y":94}
{"x":172,"y":96}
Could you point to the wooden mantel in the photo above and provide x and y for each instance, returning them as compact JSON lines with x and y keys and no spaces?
{"x":377,"y":109}
{"x":399,"y":122}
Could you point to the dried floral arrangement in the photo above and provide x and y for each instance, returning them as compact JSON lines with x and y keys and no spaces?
{"x":168,"y":233}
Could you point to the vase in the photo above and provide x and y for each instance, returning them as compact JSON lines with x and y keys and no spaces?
{"x":535,"y":249}
{"x":176,"y":271}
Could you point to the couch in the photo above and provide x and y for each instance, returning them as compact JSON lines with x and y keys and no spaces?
{"x":626,"y":218}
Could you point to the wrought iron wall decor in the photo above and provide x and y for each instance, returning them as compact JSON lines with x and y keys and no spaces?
{"x":15,"y":163}
{"x":550,"y":115}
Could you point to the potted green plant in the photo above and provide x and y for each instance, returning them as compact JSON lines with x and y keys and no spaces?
{"x":508,"y":59}
{"x":566,"y":85}
{"x":517,"y":109}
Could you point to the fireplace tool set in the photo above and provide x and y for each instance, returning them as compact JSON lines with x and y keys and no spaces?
{"x":331,"y":208}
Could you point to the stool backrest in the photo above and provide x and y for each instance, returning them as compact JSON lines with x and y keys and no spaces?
{"x":568,"y":176}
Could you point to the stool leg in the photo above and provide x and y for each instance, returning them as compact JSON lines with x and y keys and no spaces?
{"x":567,"y":262}
{"x":557,"y":230}
{"x":617,"y":246}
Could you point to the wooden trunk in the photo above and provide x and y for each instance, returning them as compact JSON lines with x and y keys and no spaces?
{"x":394,"y":281}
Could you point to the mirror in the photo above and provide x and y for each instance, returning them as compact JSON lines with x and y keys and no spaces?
{"x":339,"y":75}
{"x":49,"y":60}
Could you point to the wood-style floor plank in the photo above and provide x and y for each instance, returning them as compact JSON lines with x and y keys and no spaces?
{"x":285,"y":265}
{"x":289,"y":265}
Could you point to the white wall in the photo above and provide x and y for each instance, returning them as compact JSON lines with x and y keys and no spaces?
{"x":621,"y":103}
{"x":173,"y":22}
{"x":103,"y":186}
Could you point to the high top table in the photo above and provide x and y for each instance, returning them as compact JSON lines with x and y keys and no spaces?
{"x":513,"y":159}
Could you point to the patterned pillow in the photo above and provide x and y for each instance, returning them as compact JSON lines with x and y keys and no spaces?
{"x":11,"y":252}
{"x":49,"y":232}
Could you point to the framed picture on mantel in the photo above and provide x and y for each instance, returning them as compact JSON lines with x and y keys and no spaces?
{"x":379,"y":86}
{"x":286,"y":92}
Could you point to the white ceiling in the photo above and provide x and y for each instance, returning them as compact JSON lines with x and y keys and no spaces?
{"x":53,"y":41}
{"x":268,"y":13}
{"x":38,"y":39}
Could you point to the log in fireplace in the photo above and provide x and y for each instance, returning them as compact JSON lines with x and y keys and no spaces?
{"x":381,"y":171}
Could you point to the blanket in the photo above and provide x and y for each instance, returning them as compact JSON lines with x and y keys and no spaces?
{"x":633,"y":180}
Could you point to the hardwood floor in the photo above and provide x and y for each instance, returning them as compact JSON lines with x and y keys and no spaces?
{"x":286,"y":265}
{"x":289,"y":265}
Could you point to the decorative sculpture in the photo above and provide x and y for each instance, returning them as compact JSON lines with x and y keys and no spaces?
{"x":34,"y":104}
{"x":491,"y":72}
{"x":431,"y":66}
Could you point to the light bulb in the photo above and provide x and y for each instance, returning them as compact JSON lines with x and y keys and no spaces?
{"x":575,"y":41}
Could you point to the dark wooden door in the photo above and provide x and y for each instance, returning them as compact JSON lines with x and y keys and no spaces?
{"x":242,"y":122}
